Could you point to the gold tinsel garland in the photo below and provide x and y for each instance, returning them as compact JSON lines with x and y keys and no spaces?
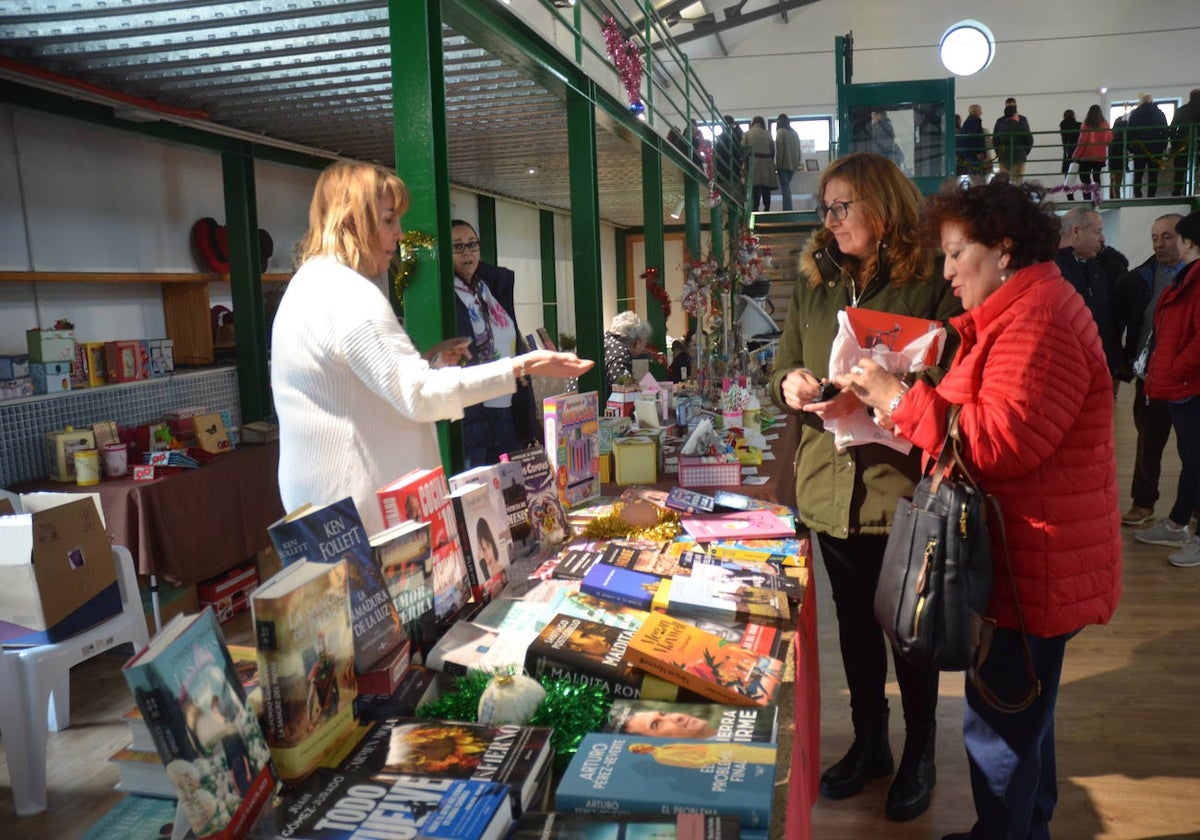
{"x":406,"y":259}
{"x":611,"y":526}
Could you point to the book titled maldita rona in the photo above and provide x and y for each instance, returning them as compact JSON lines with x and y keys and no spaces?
{"x":335,"y":532}
{"x":513,"y":755}
{"x":623,"y":774}
{"x":305,"y":663}
{"x":335,"y":805}
{"x":205,"y":733}
{"x":704,"y":662}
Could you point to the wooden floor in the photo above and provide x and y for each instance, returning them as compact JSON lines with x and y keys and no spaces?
{"x":1128,"y":738}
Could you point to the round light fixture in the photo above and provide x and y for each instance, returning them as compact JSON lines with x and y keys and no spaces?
{"x":967,"y":47}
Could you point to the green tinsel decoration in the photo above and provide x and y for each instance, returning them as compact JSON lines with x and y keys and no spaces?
{"x":572,"y":710}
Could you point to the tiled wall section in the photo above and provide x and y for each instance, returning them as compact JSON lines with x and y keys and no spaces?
{"x":24,"y":423}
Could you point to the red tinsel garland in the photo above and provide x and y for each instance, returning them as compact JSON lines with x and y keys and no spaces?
{"x":657,"y":290}
{"x":627,"y":58}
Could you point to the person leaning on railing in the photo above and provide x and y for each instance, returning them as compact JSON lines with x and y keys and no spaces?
{"x":1184,"y":130}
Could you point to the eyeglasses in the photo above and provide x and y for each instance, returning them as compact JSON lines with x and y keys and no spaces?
{"x":839,"y":209}
{"x":463,"y":247}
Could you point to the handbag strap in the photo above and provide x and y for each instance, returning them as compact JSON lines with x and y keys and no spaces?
{"x":951,"y":459}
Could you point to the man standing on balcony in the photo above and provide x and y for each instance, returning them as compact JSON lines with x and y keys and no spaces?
{"x":1147,"y":142}
{"x":1185,"y":133}
{"x":1012,"y":140}
{"x":974,"y":144}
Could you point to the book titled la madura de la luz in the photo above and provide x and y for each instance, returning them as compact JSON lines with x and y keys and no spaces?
{"x":623,"y":774}
{"x":204,"y":730}
{"x":336,"y":805}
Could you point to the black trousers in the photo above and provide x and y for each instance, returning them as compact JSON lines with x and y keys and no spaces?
{"x":1152,"y":420}
{"x":853,"y":565}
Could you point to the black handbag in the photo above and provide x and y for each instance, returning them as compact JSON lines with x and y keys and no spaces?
{"x":937,"y":574}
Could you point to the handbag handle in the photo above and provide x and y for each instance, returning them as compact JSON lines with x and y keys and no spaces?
{"x":950,"y":460}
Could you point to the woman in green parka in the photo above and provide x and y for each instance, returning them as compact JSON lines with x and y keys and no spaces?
{"x":868,"y":254}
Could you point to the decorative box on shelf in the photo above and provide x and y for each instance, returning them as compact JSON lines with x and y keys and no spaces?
{"x":709,"y":471}
{"x":50,"y":345}
{"x":123,"y":361}
{"x":14,"y":367}
{"x":50,"y":377}
{"x":14,"y":389}
{"x":97,"y":371}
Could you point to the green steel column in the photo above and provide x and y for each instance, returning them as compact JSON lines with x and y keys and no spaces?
{"x":691,"y":216}
{"x":716,"y":230}
{"x":624,"y":298}
{"x":549,"y":274}
{"x":245,"y":279}
{"x":488,"y":248}
{"x":422,"y":160}
{"x":652,"y":223}
{"x":585,"y":232}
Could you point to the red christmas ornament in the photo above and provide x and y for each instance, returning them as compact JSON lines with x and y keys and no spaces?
{"x":657,"y":290}
{"x":627,"y":58}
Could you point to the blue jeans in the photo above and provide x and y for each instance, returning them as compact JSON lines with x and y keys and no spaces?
{"x":785,"y":187}
{"x":1013,"y":773}
{"x":488,"y":433}
{"x":1185,"y":419}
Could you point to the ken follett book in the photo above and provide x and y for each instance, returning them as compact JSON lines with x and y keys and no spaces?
{"x":513,"y":755}
{"x":623,"y":774}
{"x":335,"y":532}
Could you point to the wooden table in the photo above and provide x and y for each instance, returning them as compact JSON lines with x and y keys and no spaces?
{"x":196,"y":523}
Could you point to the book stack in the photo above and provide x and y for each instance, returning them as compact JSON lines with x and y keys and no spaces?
{"x":424,"y":496}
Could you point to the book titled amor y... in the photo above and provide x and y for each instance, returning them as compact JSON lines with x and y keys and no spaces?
{"x":591,"y":653}
{"x":405,"y":559}
{"x":572,"y":426}
{"x":723,"y":599}
{"x":335,"y":805}
{"x":513,"y":755}
{"x":423,"y":495}
{"x":305,"y":664}
{"x":749,"y":524}
{"x":480,"y":529}
{"x":204,"y":731}
{"x":706,"y":721}
{"x":704,"y":662}
{"x":335,"y":532}
{"x":622,"y":586}
{"x":546,"y":513}
{"x":623,"y":774}
{"x":555,"y":826}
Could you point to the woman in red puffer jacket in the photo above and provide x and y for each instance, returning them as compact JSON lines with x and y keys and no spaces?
{"x":1092,"y":150}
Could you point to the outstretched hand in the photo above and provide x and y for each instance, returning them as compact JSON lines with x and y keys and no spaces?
{"x":448,"y":353}
{"x":554,"y":364}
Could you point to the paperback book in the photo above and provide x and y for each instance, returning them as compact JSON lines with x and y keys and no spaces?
{"x":723,"y":599}
{"x":136,"y":818}
{"x":405,"y":560}
{"x":205,"y":733}
{"x":750,"y":524}
{"x":418,"y":686}
{"x":306,"y":664}
{"x":590,"y":653}
{"x":141,"y":772}
{"x":336,"y":805}
{"x":621,"y":586}
{"x":702,"y":721}
{"x":572,"y":426}
{"x":555,"y":826}
{"x":513,"y":755}
{"x":335,"y":532}
{"x":491,"y":477}
{"x":423,"y":496}
{"x":649,"y":557}
{"x":479,"y":528}
{"x":546,"y":514}
{"x":467,"y":646}
{"x":763,"y":575}
{"x":704,"y":662}
{"x":688,"y":501}
{"x":516,"y":508}
{"x":621,"y":774}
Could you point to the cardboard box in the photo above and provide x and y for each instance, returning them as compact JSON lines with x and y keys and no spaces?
{"x":61,"y":448}
{"x":229,"y":593}
{"x":607,"y":467}
{"x":709,"y":471}
{"x":57,"y":575}
{"x":612,"y":428}
{"x":50,"y":345}
{"x":50,"y":377}
{"x":637,"y":460}
{"x":210,"y":433}
{"x":14,"y":367}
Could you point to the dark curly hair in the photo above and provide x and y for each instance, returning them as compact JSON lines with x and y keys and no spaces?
{"x":994,"y":212}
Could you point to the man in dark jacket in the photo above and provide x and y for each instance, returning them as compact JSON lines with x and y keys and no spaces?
{"x":1080,"y":244}
{"x":1134,"y":298}
{"x":1185,"y":132}
{"x":485,"y":313}
{"x":1147,"y":142}
{"x":973,"y":145}
{"x":1012,"y":141}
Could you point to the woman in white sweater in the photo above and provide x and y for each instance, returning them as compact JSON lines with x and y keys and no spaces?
{"x":356,"y":400}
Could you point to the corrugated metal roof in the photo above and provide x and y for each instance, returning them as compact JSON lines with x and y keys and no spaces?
{"x":316,"y":73}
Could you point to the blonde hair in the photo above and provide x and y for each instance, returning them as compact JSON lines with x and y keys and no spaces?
{"x":343,"y":218}
{"x":891,"y":205}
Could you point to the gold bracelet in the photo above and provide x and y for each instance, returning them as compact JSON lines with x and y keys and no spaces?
{"x":519,"y":373}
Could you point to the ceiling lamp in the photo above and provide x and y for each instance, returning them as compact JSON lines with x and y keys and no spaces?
{"x":696,"y":10}
{"x":678,"y":211}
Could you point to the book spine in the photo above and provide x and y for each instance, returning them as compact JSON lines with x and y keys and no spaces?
{"x":460,"y":521}
{"x":684,"y":678}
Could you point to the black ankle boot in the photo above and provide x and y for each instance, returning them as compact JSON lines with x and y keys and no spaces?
{"x":869,"y":757}
{"x":909,"y":795}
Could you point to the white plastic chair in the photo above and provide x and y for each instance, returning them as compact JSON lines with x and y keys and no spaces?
{"x":45,"y":685}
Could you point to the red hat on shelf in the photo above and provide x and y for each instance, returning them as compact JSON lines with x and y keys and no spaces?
{"x":210,"y":245}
